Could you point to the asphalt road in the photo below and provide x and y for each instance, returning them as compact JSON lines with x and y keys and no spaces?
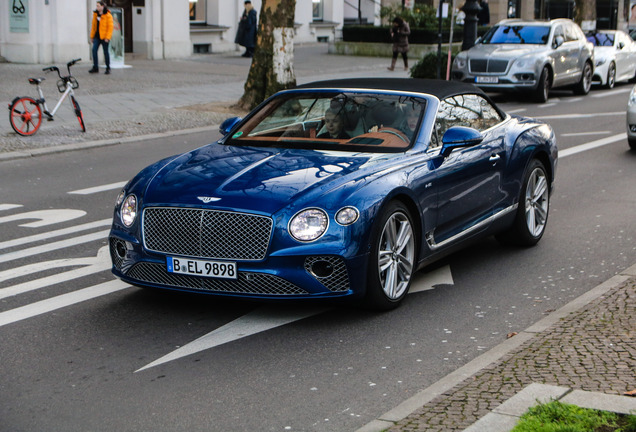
{"x":81,"y":351}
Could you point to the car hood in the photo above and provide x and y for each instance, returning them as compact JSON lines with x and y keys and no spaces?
{"x":258,"y":179}
{"x":503,"y":51}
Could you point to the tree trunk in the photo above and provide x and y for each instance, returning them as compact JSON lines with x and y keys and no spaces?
{"x":585,"y":14}
{"x":272,"y":65}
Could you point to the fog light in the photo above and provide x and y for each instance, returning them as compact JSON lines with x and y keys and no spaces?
{"x":322,"y":269}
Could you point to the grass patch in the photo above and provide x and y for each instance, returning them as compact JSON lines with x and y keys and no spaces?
{"x":559,"y":417}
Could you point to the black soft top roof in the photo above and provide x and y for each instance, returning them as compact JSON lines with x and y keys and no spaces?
{"x":438,"y":88}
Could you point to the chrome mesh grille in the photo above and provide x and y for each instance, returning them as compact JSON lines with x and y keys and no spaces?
{"x":247,"y":283}
{"x":206,"y":233}
{"x":486,"y":65}
{"x":116,"y":259}
{"x":338,"y":280}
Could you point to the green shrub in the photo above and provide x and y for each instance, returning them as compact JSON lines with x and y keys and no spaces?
{"x":426,"y":67}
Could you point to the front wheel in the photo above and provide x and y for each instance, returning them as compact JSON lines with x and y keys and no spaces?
{"x":583,"y":87}
{"x":78,"y":113}
{"x":534,"y":204}
{"x":25,"y":116}
{"x":611,"y":76}
{"x":392,"y":258}
{"x":543,"y":88}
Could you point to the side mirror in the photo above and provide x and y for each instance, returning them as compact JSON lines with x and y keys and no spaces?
{"x":621,"y":45}
{"x":459,"y":137}
{"x":228,"y":125}
{"x":558,"y":41}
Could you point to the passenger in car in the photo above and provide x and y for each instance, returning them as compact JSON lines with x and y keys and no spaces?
{"x":409,"y":121}
{"x":334,"y":125}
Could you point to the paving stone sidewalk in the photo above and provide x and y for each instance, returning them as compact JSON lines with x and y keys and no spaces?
{"x":592,"y":349}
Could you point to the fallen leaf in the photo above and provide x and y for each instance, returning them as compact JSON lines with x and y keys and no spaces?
{"x":630,"y":393}
{"x":512,"y":334}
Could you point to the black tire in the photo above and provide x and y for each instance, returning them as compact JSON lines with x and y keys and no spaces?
{"x":611,"y":76}
{"x":583,"y":87}
{"x":78,"y":113}
{"x":632,"y":143}
{"x":543,"y":88}
{"x":534,"y":204}
{"x":393,"y":258}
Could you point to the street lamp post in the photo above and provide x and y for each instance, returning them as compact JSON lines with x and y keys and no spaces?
{"x":471,"y":8}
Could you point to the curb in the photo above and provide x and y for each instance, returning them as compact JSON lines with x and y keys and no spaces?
{"x":445,"y":384}
{"x":102,"y":143}
{"x":505,"y":417}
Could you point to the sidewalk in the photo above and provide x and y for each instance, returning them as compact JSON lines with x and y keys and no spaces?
{"x":158,"y":96}
{"x":589,"y":344}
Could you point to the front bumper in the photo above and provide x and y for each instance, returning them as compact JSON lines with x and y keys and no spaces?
{"x":286,"y":277}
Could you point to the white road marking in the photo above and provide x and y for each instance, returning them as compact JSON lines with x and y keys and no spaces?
{"x":45,"y":217}
{"x":428,"y":281}
{"x":89,"y":266}
{"x":257,"y":321}
{"x":585,"y":133}
{"x":580,"y":116}
{"x":47,"y":235}
{"x":98,"y":189}
{"x":9,"y":206}
{"x":49,"y":305}
{"x":614,"y":92}
{"x":54,"y":246}
{"x":592,"y":145}
{"x":267,"y":318}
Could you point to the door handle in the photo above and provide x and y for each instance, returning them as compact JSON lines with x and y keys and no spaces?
{"x":494,"y":158}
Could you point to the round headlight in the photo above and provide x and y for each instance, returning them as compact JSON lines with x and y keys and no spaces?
{"x":308,"y":225}
{"x":129,"y":210}
{"x":347,"y":215}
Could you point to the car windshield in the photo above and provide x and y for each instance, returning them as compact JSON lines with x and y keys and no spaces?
{"x":329,"y":120}
{"x":601,"y":39}
{"x":517,"y":34}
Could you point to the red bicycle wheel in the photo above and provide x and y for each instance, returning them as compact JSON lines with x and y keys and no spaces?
{"x":78,"y":113}
{"x":25,"y":116}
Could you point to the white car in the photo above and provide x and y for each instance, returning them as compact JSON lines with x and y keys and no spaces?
{"x":631,"y":119}
{"x":614,"y":56}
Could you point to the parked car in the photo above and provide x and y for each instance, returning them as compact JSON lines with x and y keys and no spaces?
{"x":336,"y":190}
{"x":631,"y":119}
{"x":614,"y":56}
{"x":531,"y":56}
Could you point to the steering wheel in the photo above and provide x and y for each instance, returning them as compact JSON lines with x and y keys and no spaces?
{"x":395,"y":132}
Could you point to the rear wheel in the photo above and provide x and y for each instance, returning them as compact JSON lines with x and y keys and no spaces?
{"x":392,"y":259}
{"x":611,"y":76}
{"x":583,"y":87}
{"x":532,"y":214}
{"x":78,"y":113}
{"x":25,"y":116}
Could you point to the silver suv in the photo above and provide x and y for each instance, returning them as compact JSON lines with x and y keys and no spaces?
{"x":529,"y":55}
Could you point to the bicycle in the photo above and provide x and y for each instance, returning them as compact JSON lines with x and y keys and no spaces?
{"x":25,"y":113}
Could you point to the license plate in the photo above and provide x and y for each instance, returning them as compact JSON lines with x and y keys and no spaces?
{"x":486,"y":80}
{"x":205,"y":268}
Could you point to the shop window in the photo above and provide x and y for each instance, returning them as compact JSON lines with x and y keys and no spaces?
{"x":197,"y":12}
{"x":317,"y":10}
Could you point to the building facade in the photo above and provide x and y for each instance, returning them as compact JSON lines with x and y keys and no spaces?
{"x":55,"y":31}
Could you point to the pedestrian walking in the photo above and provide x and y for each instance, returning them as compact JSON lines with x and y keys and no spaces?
{"x":101,"y":33}
{"x":246,"y":33}
{"x":400,"y":32}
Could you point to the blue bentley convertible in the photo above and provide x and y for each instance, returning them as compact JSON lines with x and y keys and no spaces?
{"x":336,"y":189}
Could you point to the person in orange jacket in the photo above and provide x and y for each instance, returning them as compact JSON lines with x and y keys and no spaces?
{"x":101,"y":32}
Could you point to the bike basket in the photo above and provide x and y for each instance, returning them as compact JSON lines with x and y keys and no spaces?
{"x":61,"y":84}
